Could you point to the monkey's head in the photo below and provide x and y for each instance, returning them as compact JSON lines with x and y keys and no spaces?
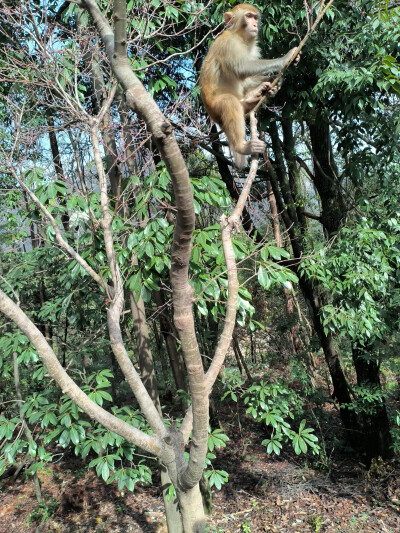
{"x":243,"y":19}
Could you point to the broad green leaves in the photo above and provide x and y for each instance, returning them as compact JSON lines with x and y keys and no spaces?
{"x":274,"y":404}
{"x":360,"y":271}
{"x":216,"y":478}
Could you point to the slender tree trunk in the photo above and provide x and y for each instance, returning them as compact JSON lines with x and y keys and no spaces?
{"x":99,"y":96}
{"x":341,"y":390}
{"x":143,"y":346}
{"x":373,"y":416}
{"x":239,"y":357}
{"x":27,"y":431}
{"x":170,"y":337}
{"x":47,"y":332}
{"x":63,"y":345}
{"x":294,"y":336}
{"x":110,"y":146}
{"x":297,"y":231}
{"x":35,"y":237}
{"x":280,"y":176}
{"x":326,"y":177}
{"x":149,"y":380}
{"x":59,"y":169}
{"x":161,"y":353}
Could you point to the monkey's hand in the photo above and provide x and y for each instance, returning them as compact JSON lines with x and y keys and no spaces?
{"x":296,"y":61}
{"x":290,"y":55}
{"x":255,"y":96}
{"x":270,"y":91}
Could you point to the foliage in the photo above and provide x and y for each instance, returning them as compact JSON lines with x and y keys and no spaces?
{"x":64,"y":423}
{"x":316,"y":522}
{"x":216,"y":478}
{"x":233,"y":382}
{"x":273,"y":404}
{"x":370,"y":66}
{"x":42,"y":512}
{"x":360,"y":270}
{"x":58,"y":420}
{"x":246,"y":527}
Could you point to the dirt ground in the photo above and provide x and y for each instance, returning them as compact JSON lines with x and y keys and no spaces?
{"x":264,"y":494}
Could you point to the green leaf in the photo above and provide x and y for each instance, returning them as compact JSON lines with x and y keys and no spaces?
{"x":32,"y":449}
{"x":149,"y":249}
{"x":263,"y":278}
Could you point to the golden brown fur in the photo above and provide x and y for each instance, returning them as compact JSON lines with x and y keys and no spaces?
{"x":233,"y":78}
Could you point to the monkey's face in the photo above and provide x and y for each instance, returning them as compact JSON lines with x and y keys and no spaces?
{"x":250,"y":24}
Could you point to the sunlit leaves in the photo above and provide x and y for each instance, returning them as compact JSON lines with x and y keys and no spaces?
{"x":273,"y":404}
{"x":128,"y":477}
{"x":360,"y":271}
{"x":216,"y":478}
{"x":217,"y":439}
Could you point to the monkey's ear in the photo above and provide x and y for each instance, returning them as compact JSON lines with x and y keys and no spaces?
{"x":228,"y":16}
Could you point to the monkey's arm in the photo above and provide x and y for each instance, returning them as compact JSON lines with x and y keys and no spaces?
{"x":253,"y":97}
{"x":244,"y":68}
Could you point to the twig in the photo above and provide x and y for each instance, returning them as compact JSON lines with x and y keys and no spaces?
{"x":296,"y":52}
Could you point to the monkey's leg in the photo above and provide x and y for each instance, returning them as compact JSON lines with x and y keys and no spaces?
{"x":230,"y":110}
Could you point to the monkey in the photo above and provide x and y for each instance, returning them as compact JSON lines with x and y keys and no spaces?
{"x":233,"y":78}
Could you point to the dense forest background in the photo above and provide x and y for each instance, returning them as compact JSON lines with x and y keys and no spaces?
{"x":88,"y":226}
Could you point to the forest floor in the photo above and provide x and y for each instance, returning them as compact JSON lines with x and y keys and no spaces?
{"x":284,"y":494}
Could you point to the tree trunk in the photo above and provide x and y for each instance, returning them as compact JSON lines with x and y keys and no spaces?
{"x":170,"y":337}
{"x":59,"y":169}
{"x":325,"y":177}
{"x":143,"y":347}
{"x":191,"y":506}
{"x":341,"y":390}
{"x":377,"y":440}
{"x":161,"y":355}
{"x":241,"y":361}
{"x":295,"y":224}
{"x":172,"y":514}
{"x":149,"y":380}
{"x":45,"y":326}
{"x":294,"y":329}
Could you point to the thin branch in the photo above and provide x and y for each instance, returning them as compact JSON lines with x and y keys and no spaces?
{"x":167,"y":59}
{"x":60,"y":239}
{"x":116,"y":306}
{"x":296,"y":52}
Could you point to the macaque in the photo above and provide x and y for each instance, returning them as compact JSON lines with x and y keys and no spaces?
{"x":234,"y":78}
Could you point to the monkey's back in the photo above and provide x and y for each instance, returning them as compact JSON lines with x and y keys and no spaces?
{"x":219,"y":71}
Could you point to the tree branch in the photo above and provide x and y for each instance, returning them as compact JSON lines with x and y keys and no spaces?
{"x":151,"y":444}
{"x":321,"y":13}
